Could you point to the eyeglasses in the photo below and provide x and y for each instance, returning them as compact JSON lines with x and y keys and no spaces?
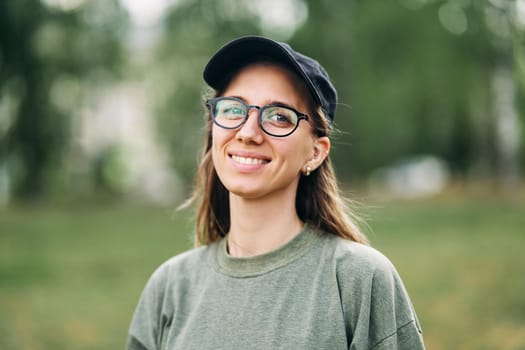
{"x":274,"y":119}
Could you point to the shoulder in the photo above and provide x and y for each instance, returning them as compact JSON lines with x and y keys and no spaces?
{"x":360,"y":259}
{"x":156,"y":305}
{"x":180,"y":267}
{"x":186,"y":259}
{"x":374,"y":299}
{"x":364,"y":272}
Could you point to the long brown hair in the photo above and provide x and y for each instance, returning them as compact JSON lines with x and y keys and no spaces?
{"x":319,"y":200}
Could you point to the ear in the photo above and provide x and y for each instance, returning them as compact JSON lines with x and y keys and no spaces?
{"x":320,"y":152}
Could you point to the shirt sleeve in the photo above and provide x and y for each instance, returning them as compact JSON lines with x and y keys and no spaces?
{"x":378,"y":310}
{"x":148,"y":322}
{"x":394,"y":323}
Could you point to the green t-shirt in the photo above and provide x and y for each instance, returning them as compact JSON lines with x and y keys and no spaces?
{"x":317,"y":291}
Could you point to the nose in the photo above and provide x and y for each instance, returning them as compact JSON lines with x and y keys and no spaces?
{"x":250,"y":132}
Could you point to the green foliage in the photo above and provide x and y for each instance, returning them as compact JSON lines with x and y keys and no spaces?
{"x":413,"y":76}
{"x":111,"y":173}
{"x":39,"y":48}
{"x":406,"y":84}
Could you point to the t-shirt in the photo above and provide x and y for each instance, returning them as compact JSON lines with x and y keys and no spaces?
{"x":317,"y":291}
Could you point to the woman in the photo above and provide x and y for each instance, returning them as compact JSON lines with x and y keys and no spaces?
{"x":279,"y":265}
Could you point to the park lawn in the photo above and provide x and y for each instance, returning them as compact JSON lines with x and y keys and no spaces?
{"x":70,"y":276}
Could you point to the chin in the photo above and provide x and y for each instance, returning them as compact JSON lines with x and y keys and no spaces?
{"x":246,"y":193}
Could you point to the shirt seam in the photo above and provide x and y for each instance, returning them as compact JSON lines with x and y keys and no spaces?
{"x":392,"y":334}
{"x":226,"y":271}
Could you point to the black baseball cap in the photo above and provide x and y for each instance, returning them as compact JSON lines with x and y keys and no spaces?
{"x":248,"y":49}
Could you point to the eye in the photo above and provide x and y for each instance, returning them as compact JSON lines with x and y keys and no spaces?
{"x":229,"y":110}
{"x":232,"y":110}
{"x":280,"y":117}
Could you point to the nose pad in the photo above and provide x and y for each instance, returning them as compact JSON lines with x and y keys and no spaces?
{"x":250,"y":131}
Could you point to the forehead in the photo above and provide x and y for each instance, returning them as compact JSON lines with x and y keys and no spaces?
{"x":268,"y":81}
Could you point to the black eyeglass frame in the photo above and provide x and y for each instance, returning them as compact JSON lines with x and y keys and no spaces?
{"x":212,"y":102}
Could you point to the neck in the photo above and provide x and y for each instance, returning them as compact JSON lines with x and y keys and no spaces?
{"x":260,"y":226}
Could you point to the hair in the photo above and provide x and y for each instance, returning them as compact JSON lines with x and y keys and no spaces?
{"x":318,"y":200}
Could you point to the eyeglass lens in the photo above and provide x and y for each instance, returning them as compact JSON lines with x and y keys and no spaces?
{"x":275,"y":120}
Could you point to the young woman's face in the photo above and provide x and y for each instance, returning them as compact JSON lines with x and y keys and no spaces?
{"x":252,"y":164}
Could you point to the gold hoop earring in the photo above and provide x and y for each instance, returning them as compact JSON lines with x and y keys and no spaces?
{"x":308,"y":171}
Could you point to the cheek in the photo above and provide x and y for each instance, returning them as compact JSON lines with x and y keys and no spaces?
{"x":302,"y":151}
{"x":296,"y":155}
{"x":215,"y":140}
{"x":219,"y":138}
{"x":219,"y":135}
{"x":214,"y":149}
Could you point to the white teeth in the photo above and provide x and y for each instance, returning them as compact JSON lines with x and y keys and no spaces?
{"x":244,"y":160}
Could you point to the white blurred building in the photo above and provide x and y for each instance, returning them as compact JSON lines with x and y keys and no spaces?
{"x":414,"y":177}
{"x":118,"y":117}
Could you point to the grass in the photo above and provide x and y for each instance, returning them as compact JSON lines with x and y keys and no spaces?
{"x":70,"y":276}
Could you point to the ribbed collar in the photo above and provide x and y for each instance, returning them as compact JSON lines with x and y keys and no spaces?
{"x":264,"y":263}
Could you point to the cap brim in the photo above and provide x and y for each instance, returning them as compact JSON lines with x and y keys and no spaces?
{"x":248,"y":49}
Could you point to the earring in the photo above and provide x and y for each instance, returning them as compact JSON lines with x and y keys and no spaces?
{"x":308,"y":171}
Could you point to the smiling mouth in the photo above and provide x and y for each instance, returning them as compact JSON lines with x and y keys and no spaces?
{"x":248,"y":160}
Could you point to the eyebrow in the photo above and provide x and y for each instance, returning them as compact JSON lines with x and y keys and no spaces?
{"x":269,"y":102}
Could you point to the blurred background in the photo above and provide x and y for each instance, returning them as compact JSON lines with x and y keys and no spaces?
{"x":101,"y":125}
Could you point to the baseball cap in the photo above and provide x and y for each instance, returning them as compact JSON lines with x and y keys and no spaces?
{"x":248,"y":49}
